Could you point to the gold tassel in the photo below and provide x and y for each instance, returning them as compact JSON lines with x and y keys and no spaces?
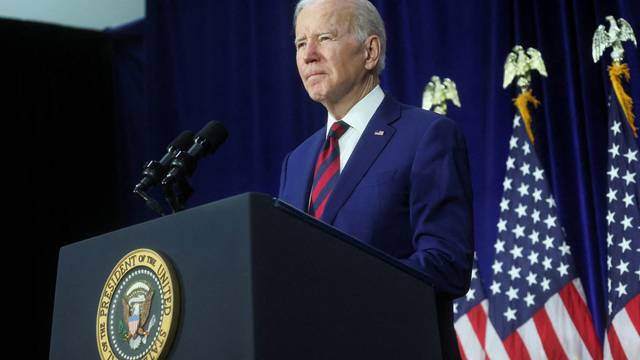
{"x":522,"y":102}
{"x":616,"y":72}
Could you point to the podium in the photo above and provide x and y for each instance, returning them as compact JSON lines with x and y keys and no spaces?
{"x":257,"y":280}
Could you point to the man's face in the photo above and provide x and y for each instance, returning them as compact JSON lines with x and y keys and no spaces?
{"x":331,"y":62}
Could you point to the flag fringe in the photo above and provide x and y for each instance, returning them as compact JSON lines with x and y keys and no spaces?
{"x":522,"y":102}
{"x":616,"y":72}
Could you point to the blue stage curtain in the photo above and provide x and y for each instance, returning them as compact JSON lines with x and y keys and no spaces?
{"x":234,"y":61}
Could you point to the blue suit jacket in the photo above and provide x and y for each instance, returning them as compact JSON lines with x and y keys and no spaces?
{"x":406,"y":192}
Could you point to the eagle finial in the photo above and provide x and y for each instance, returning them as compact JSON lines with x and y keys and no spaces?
{"x":619,"y":32}
{"x":436,"y":94}
{"x":519,"y":65}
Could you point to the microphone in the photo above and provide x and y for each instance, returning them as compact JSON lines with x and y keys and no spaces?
{"x":154,"y":171}
{"x":206,"y":142}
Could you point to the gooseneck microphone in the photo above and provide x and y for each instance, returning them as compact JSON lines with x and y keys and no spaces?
{"x":154,"y":171}
{"x":206,"y":142}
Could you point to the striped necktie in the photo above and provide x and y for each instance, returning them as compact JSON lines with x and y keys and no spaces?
{"x":327,"y":170}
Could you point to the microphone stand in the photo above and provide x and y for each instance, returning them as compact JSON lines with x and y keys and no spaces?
{"x":149,"y":201}
{"x":177,"y":191}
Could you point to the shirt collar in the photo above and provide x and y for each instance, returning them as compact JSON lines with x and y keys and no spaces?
{"x":359,"y":115}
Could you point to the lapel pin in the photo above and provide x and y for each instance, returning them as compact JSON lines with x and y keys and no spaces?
{"x":379,"y":133}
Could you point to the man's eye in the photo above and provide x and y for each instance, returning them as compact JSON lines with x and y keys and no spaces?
{"x":300,"y":45}
{"x":325,"y":37}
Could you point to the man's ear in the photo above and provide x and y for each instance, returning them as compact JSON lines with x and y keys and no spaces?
{"x":372,"y":52}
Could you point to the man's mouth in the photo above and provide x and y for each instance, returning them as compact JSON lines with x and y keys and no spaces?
{"x":314,"y":74}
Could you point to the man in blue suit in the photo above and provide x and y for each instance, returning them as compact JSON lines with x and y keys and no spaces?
{"x":393,"y":176}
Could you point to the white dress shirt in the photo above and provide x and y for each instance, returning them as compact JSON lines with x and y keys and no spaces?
{"x":357,"y":118}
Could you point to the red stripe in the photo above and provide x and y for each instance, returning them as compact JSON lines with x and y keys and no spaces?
{"x":462,"y":354}
{"x":633,"y":309}
{"x":339,"y":130}
{"x":617,"y":352}
{"x":515,"y":347}
{"x":323,"y":159}
{"x":478,"y":319}
{"x":320,"y":209}
{"x":581,"y":317}
{"x":324,"y":179}
{"x":548,"y":336}
{"x":324,"y":155}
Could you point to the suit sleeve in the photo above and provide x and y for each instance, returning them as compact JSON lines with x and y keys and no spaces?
{"x":441,"y":209}
{"x":283,"y":176}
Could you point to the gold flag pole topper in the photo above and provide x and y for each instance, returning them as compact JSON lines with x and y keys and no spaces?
{"x":619,"y":32}
{"x":436,"y":94}
{"x":519,"y":66}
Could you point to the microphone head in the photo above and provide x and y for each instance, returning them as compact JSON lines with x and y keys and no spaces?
{"x":182,"y":142}
{"x":212,"y":135}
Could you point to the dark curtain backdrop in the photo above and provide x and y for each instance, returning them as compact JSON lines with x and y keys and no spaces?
{"x":193,"y":61}
{"x":58,"y":121}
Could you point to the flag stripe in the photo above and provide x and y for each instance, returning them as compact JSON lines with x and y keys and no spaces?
{"x":551,"y":343}
{"x":565,"y":328}
{"x":515,"y":347}
{"x":579,"y":313}
{"x":532,"y":340}
{"x":633,"y":308}
{"x":627,"y":336}
{"x":579,"y":289}
{"x":606,"y":350}
{"x":493,"y":344}
{"x":470,"y":344}
{"x":615,"y":348}
{"x":461,"y":349}
{"x":478,"y":319}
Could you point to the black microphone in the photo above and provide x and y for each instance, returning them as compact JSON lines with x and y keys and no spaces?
{"x":206,"y":142}
{"x":154,"y":171}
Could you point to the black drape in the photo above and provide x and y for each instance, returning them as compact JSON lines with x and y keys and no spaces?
{"x":60,"y":96}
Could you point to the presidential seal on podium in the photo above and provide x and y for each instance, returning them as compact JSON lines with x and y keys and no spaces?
{"x":138,"y":308}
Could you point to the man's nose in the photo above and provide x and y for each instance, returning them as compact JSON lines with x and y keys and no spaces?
{"x":310,"y":53}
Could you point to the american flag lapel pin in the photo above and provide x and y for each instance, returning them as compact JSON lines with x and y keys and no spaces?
{"x":379,"y":133}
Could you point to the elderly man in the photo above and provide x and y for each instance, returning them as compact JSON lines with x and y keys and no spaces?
{"x":393,"y":176}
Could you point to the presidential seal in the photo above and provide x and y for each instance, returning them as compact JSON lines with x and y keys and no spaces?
{"x":138,"y":308}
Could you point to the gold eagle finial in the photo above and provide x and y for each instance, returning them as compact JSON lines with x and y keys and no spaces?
{"x":619,"y":32}
{"x":519,"y":65}
{"x":436,"y":94}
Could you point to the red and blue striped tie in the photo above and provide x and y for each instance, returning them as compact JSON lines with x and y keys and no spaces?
{"x":327,"y":170}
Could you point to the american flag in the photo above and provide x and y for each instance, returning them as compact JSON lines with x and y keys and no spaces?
{"x":470,"y":318}
{"x":475,"y":333}
{"x":536,"y":304}
{"x":623,"y":239}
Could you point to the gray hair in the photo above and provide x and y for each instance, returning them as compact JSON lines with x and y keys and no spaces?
{"x":366,"y":22}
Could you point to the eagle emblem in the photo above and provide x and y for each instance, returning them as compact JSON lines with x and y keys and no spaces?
{"x":619,"y":32}
{"x":136,"y":307}
{"x":436,"y":94}
{"x":520,"y":64}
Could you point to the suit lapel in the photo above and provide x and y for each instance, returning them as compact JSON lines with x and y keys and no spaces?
{"x":374,"y":138}
{"x":306,"y":164}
